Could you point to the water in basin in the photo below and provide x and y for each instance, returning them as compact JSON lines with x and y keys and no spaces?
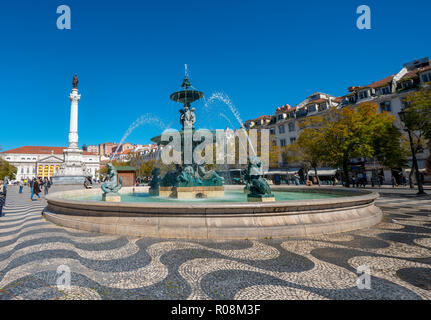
{"x":230,"y":196}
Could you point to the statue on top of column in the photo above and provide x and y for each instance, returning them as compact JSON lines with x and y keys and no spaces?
{"x":75,"y":82}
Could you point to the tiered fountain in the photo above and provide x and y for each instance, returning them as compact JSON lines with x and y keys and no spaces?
{"x":190,"y":203}
{"x":189,"y":180}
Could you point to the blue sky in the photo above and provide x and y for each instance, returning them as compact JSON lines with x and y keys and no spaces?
{"x":129,"y":56}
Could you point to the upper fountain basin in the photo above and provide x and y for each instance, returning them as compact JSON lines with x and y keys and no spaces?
{"x":186,"y":96}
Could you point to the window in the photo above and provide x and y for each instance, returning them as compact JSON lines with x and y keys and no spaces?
{"x":280,"y":117}
{"x":272,"y":131}
{"x":22,"y":170}
{"x":312,"y":108}
{"x":385,"y":90}
{"x":363,"y":94}
{"x":386,"y":106}
{"x":323,"y":107}
{"x":292,"y":140}
{"x":292,"y":114}
{"x":426,"y":77}
{"x":291,"y":126}
{"x":301,"y":113}
{"x":7,"y":158}
{"x":282,"y":142}
{"x":407,"y":84}
{"x":281,"y":129}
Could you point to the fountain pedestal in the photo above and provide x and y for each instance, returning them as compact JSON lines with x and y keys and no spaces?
{"x":192,"y":192}
{"x":111,"y":197}
{"x":254,"y":198}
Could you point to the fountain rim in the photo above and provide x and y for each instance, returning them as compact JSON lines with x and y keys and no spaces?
{"x":352,"y":198}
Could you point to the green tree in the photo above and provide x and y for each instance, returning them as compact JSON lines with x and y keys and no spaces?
{"x":147,"y":167}
{"x":417,"y":120}
{"x":343,"y":134}
{"x":7,"y":170}
{"x":309,"y":149}
{"x":418,"y":112}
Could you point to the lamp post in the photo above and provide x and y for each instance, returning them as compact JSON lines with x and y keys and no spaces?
{"x":402,"y":115}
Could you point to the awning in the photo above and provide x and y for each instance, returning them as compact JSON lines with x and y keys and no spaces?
{"x":323,"y":172}
{"x":420,"y":170}
{"x":275,"y":172}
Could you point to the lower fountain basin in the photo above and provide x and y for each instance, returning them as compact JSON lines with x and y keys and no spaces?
{"x":327,"y":210}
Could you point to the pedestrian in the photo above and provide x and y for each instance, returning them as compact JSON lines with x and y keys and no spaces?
{"x":354,"y":181}
{"x":46,"y":186}
{"x":21,"y":185}
{"x":296,"y":178}
{"x":35,"y":189}
{"x":5,"y":183}
{"x":394,"y":183}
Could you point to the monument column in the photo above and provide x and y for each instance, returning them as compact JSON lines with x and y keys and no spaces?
{"x":73,"y":131}
{"x":74,"y":99}
{"x":73,"y":170}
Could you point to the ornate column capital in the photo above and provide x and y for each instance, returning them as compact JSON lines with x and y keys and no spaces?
{"x":74,"y":96}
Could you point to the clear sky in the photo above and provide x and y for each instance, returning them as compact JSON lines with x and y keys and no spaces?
{"x":129,"y":56}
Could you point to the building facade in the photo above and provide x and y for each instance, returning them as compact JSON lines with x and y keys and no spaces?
{"x":43,"y":162}
{"x":389,"y":94}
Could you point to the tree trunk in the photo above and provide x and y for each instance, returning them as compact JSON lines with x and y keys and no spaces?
{"x":412,"y":185}
{"x":346,"y":173}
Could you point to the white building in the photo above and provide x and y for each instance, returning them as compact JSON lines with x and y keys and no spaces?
{"x":39,"y":161}
{"x":388,"y":93}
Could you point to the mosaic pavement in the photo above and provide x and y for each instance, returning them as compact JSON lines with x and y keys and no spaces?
{"x":397,"y":251}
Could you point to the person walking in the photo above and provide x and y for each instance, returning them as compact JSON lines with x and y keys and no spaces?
{"x":296,"y":178}
{"x":394,"y":182}
{"x":35,"y":189}
{"x":5,"y":186}
{"x":21,"y":185}
{"x":46,"y":186}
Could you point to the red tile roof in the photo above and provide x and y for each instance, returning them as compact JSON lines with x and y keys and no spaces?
{"x":41,"y":150}
{"x":425,"y":69}
{"x":264,"y":117}
{"x":381,"y":83}
{"x":410,"y":74}
{"x":317,"y":101}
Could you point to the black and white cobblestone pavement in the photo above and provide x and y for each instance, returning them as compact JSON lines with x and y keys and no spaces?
{"x":397,"y":251}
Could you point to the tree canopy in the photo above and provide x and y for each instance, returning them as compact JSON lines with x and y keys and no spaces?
{"x":340,"y":135}
{"x":7,"y":170}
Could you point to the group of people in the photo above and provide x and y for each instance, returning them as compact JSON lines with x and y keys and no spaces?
{"x":3,"y":189}
{"x":36,"y":185}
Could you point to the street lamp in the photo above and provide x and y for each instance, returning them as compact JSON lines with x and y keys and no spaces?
{"x":402,"y":115}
